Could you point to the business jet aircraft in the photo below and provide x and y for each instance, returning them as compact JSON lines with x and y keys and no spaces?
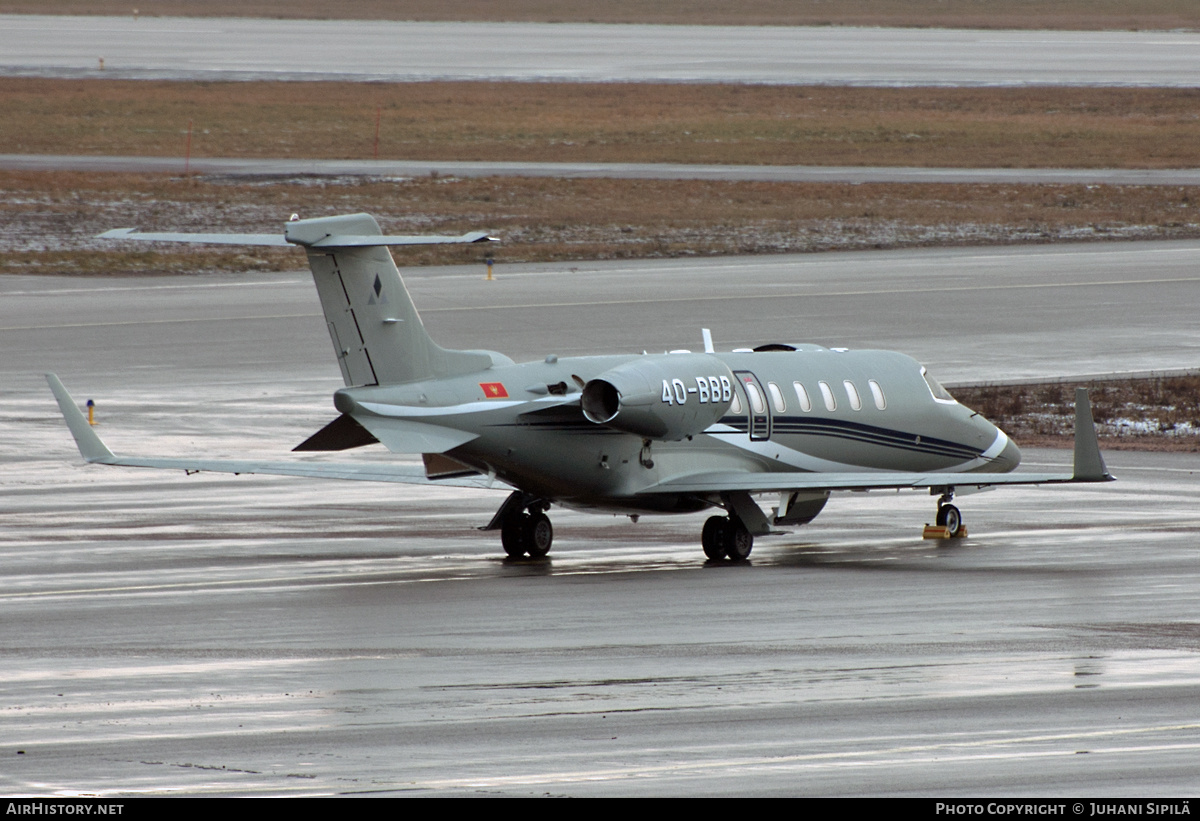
{"x":654,"y":433}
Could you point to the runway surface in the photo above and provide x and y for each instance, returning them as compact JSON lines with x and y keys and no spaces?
{"x":278,"y":167}
{"x":245,"y":49}
{"x":256,"y":635}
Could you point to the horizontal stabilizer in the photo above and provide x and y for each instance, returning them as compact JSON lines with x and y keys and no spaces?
{"x":298,"y":235}
{"x":355,"y":241}
{"x":208,"y":239}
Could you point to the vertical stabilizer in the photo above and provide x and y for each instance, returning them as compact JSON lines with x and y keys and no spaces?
{"x":377,"y":334}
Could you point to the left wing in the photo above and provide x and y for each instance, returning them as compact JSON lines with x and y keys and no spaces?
{"x":1088,"y":467}
{"x":95,"y":451}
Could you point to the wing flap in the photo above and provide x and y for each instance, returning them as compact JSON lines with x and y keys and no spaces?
{"x":361,"y":472}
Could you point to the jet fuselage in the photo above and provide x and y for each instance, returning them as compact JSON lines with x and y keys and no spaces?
{"x":805,"y":409}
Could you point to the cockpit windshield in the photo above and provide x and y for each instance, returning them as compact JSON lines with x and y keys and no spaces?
{"x":935,"y":387}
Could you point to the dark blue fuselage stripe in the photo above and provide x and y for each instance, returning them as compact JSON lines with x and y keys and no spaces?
{"x":857,"y":432}
{"x":795,"y":426}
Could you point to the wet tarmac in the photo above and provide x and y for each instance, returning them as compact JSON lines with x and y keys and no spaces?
{"x":176,"y":48}
{"x":167,"y":634}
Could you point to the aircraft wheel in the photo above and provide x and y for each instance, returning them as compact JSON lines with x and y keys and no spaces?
{"x":738,"y":541}
{"x":512,"y":535}
{"x":713,"y":537}
{"x":949,"y":517}
{"x":539,"y":534}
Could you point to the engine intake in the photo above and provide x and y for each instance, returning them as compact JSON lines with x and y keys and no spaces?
{"x":666,"y":396}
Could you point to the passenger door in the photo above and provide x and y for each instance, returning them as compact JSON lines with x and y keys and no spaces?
{"x":758,"y":408}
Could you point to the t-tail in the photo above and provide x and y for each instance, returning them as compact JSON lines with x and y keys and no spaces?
{"x":377,"y":335}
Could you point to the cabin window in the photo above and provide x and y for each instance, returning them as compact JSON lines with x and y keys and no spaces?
{"x":852,"y":395}
{"x":776,"y":397}
{"x":735,"y":407}
{"x":756,"y":398}
{"x":877,"y":392}
{"x":827,"y":393}
{"x":802,"y":397}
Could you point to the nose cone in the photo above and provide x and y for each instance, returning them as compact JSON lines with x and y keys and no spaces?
{"x":1009,"y":458}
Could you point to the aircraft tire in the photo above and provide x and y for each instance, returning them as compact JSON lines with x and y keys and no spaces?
{"x":712,"y":538}
{"x":738,"y":541}
{"x":950,"y":517}
{"x":512,"y":535}
{"x":539,"y":534}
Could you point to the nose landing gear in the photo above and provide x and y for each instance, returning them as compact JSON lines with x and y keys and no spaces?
{"x":949,"y":517}
{"x":949,"y":521}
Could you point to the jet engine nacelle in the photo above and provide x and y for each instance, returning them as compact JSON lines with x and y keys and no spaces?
{"x":667,"y":396}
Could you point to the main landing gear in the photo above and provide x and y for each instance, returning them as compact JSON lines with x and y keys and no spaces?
{"x":527,"y":533}
{"x":726,"y":537}
{"x":732,"y":537}
{"x":525,"y":529}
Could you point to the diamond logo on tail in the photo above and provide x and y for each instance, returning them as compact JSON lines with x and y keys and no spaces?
{"x":378,"y":298}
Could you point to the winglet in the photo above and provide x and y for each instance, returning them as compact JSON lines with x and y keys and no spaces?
{"x":90,"y":446}
{"x":1089,"y":464}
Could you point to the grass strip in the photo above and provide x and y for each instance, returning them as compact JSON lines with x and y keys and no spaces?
{"x":608,"y":122}
{"x":1155,"y":413}
{"x":50,"y":218}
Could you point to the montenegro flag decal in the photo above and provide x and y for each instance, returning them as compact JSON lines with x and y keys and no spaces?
{"x":494,"y":390}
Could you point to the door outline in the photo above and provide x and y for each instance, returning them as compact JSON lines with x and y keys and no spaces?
{"x":757,"y":424}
